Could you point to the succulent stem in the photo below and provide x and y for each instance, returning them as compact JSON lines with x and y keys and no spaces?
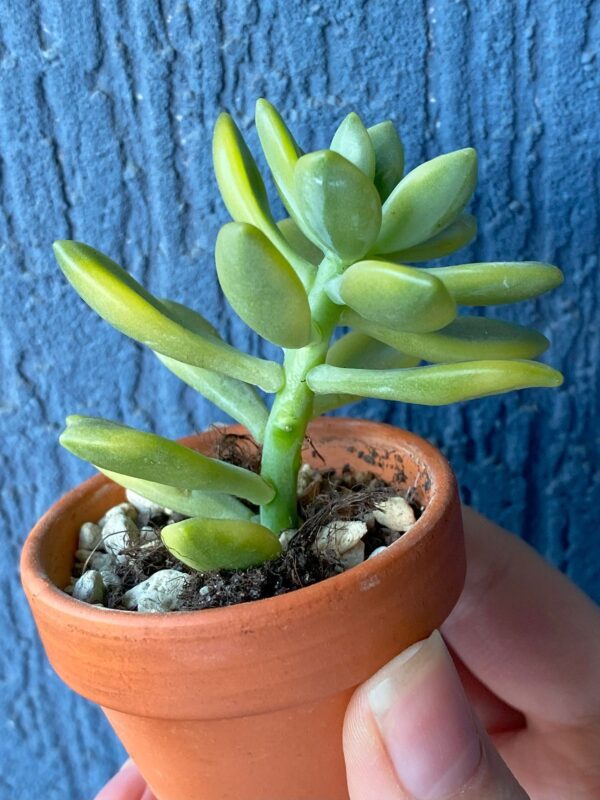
{"x":293,"y":406}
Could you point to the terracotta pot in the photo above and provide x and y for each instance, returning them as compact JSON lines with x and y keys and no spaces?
{"x":247,"y":702}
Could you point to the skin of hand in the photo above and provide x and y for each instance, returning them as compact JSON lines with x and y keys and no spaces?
{"x":503,"y":704}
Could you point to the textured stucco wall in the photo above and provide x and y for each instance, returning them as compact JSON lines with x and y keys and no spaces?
{"x":105,"y":124}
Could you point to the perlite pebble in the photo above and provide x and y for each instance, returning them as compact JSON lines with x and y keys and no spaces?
{"x":148,"y":534}
{"x":118,"y":510}
{"x":395,"y":513}
{"x":339,"y":537}
{"x":306,"y":476}
{"x":353,"y":557}
{"x":142,"y":505}
{"x":90,"y":536}
{"x":378,"y":550}
{"x":119,"y":531}
{"x":90,"y":587}
{"x":101,"y":561}
{"x":285,"y":537}
{"x":110,"y":579}
{"x":160,"y":592}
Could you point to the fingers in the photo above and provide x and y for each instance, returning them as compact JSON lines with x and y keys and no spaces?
{"x":496,"y":716}
{"x":519,"y":617}
{"x":127,"y":784}
{"x":410,"y":733}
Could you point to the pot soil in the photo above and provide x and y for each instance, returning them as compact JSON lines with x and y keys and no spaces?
{"x":351,"y":509}
{"x":248,"y":701}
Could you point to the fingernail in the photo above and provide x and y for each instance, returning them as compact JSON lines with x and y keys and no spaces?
{"x":126,"y":764}
{"x":426,"y":723}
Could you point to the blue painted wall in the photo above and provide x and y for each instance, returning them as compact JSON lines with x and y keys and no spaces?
{"x":105,"y":125}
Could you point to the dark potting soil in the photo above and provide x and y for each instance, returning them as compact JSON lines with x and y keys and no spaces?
{"x":330,"y":496}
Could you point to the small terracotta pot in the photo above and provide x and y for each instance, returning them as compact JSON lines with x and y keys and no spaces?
{"x":247,"y":702}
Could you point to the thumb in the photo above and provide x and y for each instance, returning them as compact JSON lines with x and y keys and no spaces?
{"x":411,"y":733}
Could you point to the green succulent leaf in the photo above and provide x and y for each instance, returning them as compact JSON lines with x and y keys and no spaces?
{"x":389,"y":157}
{"x":243,"y":190}
{"x":240,"y":400}
{"x":434,"y":385}
{"x":427,"y":200}
{"x":458,"y":234}
{"x":121,"y":449}
{"x":191,"y":502}
{"x":261,"y":286}
{"x":356,"y":350}
{"x":352,"y":141}
{"x":395,"y":296}
{"x":322,"y":403}
{"x":299,"y":242}
{"x":339,"y":205}
{"x":240,"y":183}
{"x":464,"y":339}
{"x":498,"y":282}
{"x":211,"y":544}
{"x":360,"y":351}
{"x":128,"y":307}
{"x":280,"y":149}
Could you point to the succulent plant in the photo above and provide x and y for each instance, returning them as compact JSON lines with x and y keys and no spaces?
{"x":344,"y":257}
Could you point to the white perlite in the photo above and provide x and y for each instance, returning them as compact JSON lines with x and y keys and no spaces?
{"x":285,"y":537}
{"x":123,"y":508}
{"x":158,"y":593}
{"x":118,"y":532}
{"x":378,"y":550}
{"x":353,"y":557}
{"x":307,"y":475}
{"x":89,"y":588}
{"x":142,"y":505}
{"x":148,"y":534}
{"x":341,"y":541}
{"x":90,"y":536}
{"x":101,"y":561}
{"x":110,"y":579}
{"x":395,"y":513}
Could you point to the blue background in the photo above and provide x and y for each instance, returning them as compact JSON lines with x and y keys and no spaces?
{"x":105,"y":127}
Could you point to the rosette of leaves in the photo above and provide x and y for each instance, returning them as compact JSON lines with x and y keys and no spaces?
{"x":349,"y":254}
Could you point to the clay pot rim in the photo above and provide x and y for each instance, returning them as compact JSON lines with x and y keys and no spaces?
{"x":234,"y":617}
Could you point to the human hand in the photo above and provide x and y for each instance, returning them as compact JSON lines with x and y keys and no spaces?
{"x":525,"y":643}
{"x":513,"y":712}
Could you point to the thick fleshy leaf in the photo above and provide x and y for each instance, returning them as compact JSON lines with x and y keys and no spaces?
{"x":240,"y":183}
{"x":191,"y":502}
{"x":434,"y":385}
{"x":126,"y":305}
{"x":322,"y":403}
{"x":427,"y":200}
{"x":243,"y":190}
{"x":396,"y":296}
{"x":127,"y":451}
{"x":465,"y":339}
{"x":211,"y":544}
{"x":188,"y":317}
{"x":389,"y":157}
{"x":299,"y":242}
{"x":360,"y":351}
{"x":280,"y":149}
{"x":261,"y":286}
{"x":352,"y":141}
{"x":458,"y":234}
{"x":494,"y":283}
{"x":339,"y":205}
{"x":240,"y":400}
